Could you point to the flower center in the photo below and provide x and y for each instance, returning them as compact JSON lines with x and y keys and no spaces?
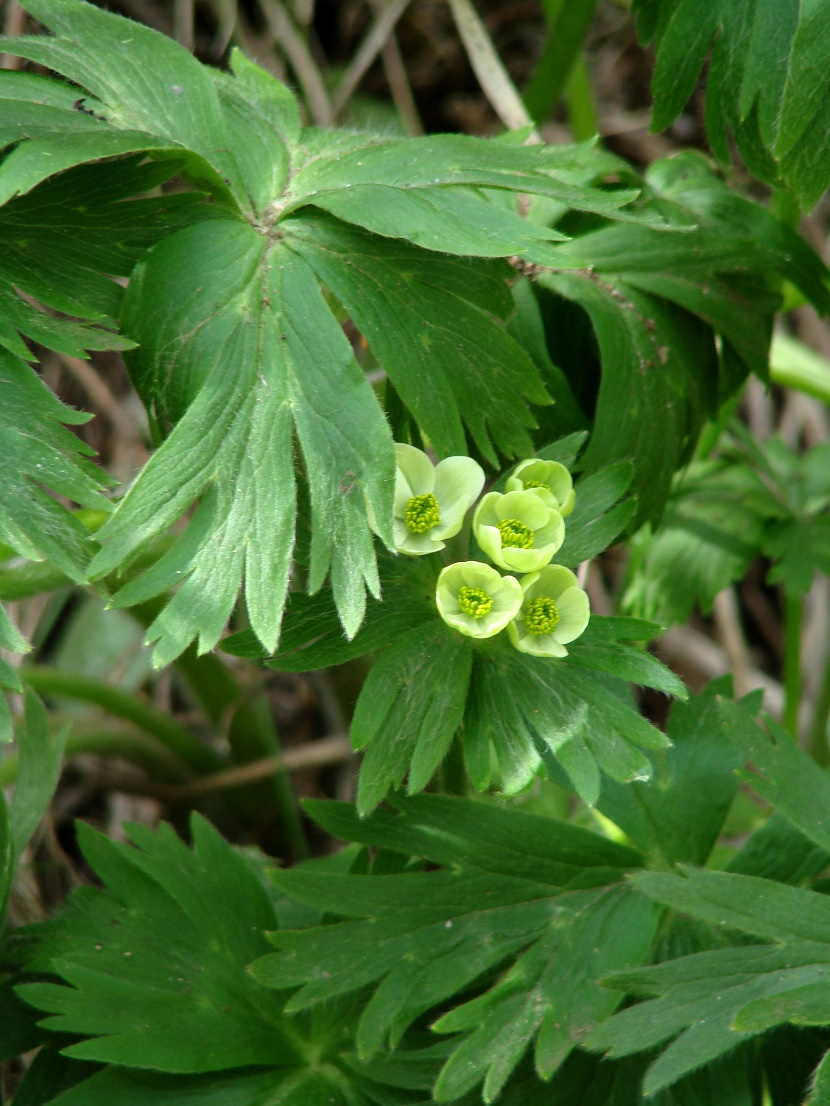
{"x":515,"y":533}
{"x":474,"y":601}
{"x":536,"y":484}
{"x":541,"y":615}
{"x":421,"y":513}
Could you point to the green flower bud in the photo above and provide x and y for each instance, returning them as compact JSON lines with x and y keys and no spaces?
{"x":548,"y":479}
{"x":475,"y":599}
{"x":555,"y":611}
{"x":518,"y":531}
{"x":432,"y":500}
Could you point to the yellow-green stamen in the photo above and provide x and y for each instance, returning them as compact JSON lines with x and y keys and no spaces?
{"x":474,"y":601}
{"x":536,"y":484}
{"x":515,"y":534}
{"x":421,"y":513}
{"x":541,"y":615}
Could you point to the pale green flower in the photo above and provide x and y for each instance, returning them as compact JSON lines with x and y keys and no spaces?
{"x":518,"y":530}
{"x":548,"y":479}
{"x":432,"y":500}
{"x":475,"y":599}
{"x":555,"y":611}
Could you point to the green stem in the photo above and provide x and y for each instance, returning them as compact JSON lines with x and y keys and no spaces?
{"x":579,"y":99}
{"x":137,"y":748}
{"x":794,"y":365}
{"x":69,"y":685}
{"x":792,"y":662}
{"x":819,"y":749}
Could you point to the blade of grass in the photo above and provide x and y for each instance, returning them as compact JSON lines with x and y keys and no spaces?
{"x":568,"y":25}
{"x":368,"y":50}
{"x":492,"y":76}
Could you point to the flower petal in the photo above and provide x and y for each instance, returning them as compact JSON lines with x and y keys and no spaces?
{"x":574,"y":612}
{"x":417,"y":545}
{"x":416,"y":467}
{"x":489,"y":538}
{"x":537,"y":645}
{"x":525,"y":506}
{"x":458,"y":483}
{"x":567,"y":504}
{"x":486,"y":514}
{"x":551,"y":580}
{"x":403,"y":493}
{"x":524,"y":560}
{"x":508,"y":597}
{"x":505,"y":591}
{"x":552,"y":533}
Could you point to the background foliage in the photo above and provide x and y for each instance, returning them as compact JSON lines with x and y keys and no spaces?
{"x":555,"y":886}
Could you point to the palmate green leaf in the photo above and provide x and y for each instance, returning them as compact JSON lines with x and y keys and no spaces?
{"x":447,"y":831}
{"x":419,"y":938}
{"x":777,"y":850}
{"x":678,"y":815}
{"x":766,"y":82}
{"x":524,"y":712}
{"x":783,"y":774}
{"x":87,"y":218}
{"x":655,"y":301}
{"x":769,"y":910}
{"x":752,"y":239}
{"x":700,"y":997}
{"x":821,"y":1088}
{"x":312,"y":633}
{"x":720,"y":272}
{"x":13,"y":640}
{"x":436,"y":325}
{"x":41,"y":761}
{"x":409,"y":709}
{"x":144,"y":82}
{"x":265,"y":360}
{"x":550,"y":993}
{"x":659,"y":372}
{"x":428,"y":190}
{"x":275,"y":1087}
{"x":711,"y":531}
{"x":600,"y":515}
{"x":38,"y":452}
{"x":801,"y":547}
{"x":154,"y":966}
{"x":83,"y":218}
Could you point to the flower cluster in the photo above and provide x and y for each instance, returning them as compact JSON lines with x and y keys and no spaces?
{"x":520,"y":530}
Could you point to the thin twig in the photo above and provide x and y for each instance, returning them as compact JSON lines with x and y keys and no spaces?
{"x":492,"y":76}
{"x":296,"y":50}
{"x":313,"y":754}
{"x":728,"y":621}
{"x":14,"y":24}
{"x":682,"y":645}
{"x":101,"y":397}
{"x":367,"y":51}
{"x":399,"y":86}
{"x":183,"y":22}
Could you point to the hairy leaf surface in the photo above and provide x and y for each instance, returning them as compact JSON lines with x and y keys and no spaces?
{"x":767,"y":81}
